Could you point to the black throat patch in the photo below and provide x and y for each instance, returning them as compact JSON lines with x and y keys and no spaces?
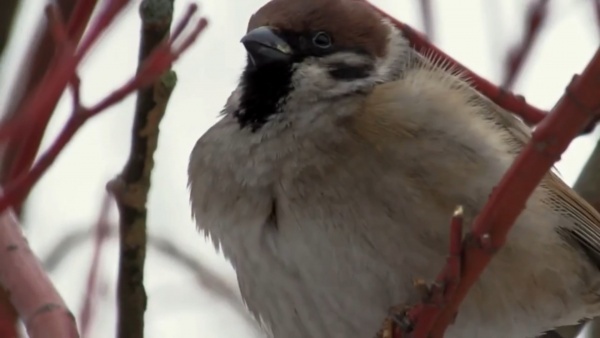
{"x":263,"y":91}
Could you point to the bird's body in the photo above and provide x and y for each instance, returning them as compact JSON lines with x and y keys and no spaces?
{"x":330,"y":206}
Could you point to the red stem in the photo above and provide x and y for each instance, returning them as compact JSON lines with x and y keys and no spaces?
{"x":578,"y":106}
{"x":64,"y":40}
{"x":106,"y":17}
{"x":101,"y":234}
{"x":534,"y":19}
{"x":80,"y":18}
{"x":159,"y":61}
{"x":574,"y":110}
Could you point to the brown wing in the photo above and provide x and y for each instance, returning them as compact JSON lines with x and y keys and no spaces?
{"x":586,"y":220}
{"x":585,"y":228}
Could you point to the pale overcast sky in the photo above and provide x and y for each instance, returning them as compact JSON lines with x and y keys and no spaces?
{"x":476,"y":32}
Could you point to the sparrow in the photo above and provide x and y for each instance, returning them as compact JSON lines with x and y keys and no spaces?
{"x":331,"y":177}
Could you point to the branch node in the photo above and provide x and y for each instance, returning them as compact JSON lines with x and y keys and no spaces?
{"x":156,"y":14}
{"x":485,"y":242}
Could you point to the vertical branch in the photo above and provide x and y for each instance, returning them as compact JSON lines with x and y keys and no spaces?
{"x":101,"y":234}
{"x":132,"y":186}
{"x":550,"y":139}
{"x":427,"y":17}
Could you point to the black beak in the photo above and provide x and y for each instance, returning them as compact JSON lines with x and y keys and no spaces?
{"x":265,"y":47}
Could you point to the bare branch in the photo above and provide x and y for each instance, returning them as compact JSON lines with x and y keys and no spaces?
{"x":34,"y":297}
{"x":205,"y":277}
{"x":131,"y":187}
{"x":534,"y":20}
{"x":427,"y":18}
{"x":21,"y":152}
{"x":63,"y":74}
{"x":574,"y":110}
{"x":101,"y":233}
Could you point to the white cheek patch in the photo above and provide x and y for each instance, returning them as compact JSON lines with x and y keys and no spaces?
{"x":314,"y":86}
{"x":399,"y":55}
{"x":350,"y":59}
{"x":313,"y":75}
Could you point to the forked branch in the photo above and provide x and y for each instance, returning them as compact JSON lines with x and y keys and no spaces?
{"x":64,"y":73}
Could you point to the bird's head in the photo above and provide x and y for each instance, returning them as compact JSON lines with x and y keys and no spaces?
{"x":310,"y":51}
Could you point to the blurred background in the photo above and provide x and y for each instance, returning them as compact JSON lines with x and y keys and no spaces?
{"x":192,"y":290}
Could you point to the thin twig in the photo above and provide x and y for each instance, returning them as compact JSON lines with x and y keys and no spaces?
{"x":101,"y":233}
{"x":131,"y":187}
{"x":534,"y":19}
{"x":205,"y":277}
{"x":21,"y":151}
{"x":427,"y":17}
{"x":80,"y":19}
{"x":159,"y":60}
{"x":109,"y":12}
{"x":65,"y":246}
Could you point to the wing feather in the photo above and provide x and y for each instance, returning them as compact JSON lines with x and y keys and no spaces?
{"x":585,"y":227}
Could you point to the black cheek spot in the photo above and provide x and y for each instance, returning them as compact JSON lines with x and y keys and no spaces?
{"x":272,"y":219}
{"x":347,"y":72}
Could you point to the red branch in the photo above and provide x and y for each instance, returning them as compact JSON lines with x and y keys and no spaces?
{"x":80,"y":18}
{"x":579,"y":105}
{"x":444,"y":288}
{"x":27,"y":126}
{"x":31,"y":139}
{"x":550,"y":139}
{"x":101,"y":234}
{"x":37,"y":302}
{"x":64,"y":72}
{"x":534,"y":19}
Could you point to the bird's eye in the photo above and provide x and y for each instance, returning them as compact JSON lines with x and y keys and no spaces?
{"x":322,"y":40}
